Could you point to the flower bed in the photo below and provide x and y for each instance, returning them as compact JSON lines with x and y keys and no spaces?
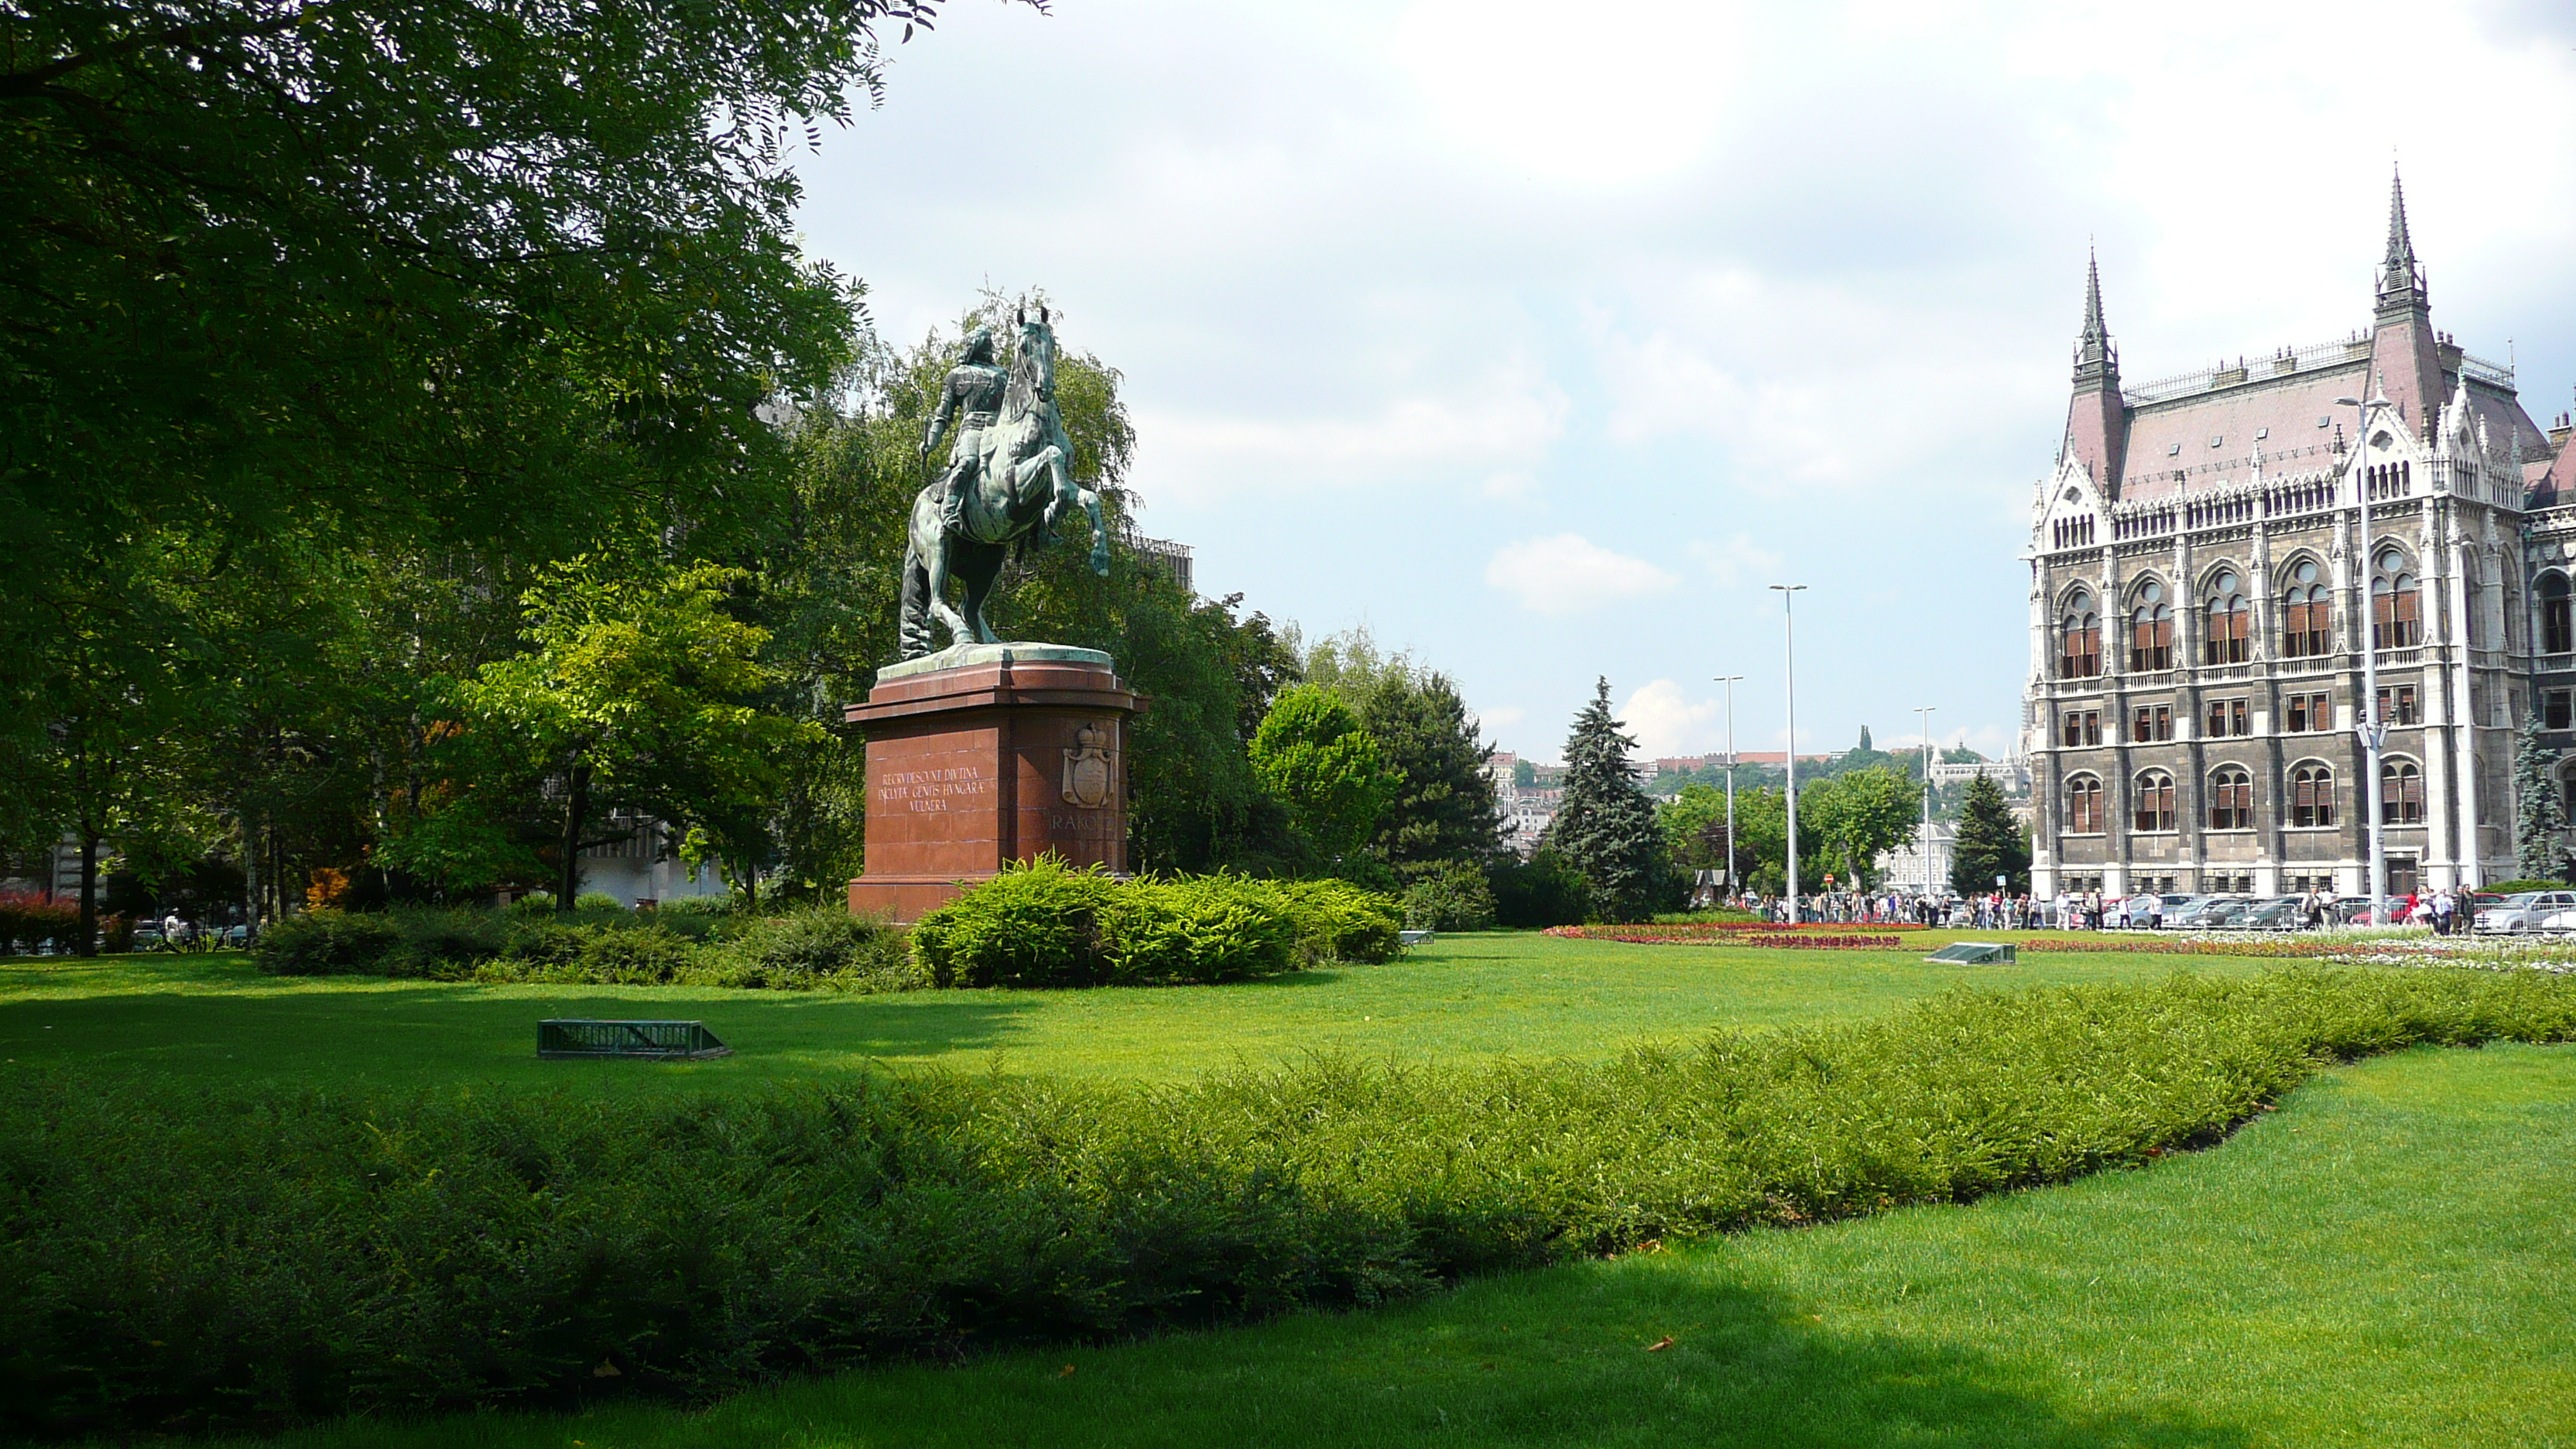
{"x":1784,"y":939}
{"x":1732,"y":930}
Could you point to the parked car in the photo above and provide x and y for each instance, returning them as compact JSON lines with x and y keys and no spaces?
{"x":2283,"y":913}
{"x":2522,"y":912}
{"x":2201,"y":913}
{"x":2355,"y":910}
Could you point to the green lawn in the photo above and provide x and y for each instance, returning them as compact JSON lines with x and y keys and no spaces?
{"x":1462,"y":997}
{"x":2384,"y":1261}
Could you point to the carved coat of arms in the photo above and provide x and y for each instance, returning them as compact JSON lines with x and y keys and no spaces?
{"x":1086,"y":769}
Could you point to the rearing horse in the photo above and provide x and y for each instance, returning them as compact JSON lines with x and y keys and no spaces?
{"x":1021,"y":490}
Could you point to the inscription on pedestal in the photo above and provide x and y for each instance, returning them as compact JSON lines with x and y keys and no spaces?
{"x":963,"y":787}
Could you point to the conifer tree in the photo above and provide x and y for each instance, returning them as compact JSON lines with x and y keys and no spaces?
{"x":2539,"y":821}
{"x":1991,"y":843}
{"x":1605,"y":825}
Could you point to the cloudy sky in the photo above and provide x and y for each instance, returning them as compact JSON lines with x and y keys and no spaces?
{"x":1541,"y":339}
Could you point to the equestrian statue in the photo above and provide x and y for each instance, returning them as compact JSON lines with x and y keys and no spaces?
{"x":1006,"y":484}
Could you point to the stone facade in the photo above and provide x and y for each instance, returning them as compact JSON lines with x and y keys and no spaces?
{"x":2201,"y":592}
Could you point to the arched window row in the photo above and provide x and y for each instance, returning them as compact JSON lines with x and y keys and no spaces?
{"x":2396,"y":603}
{"x":2401,"y":793}
{"x":2084,"y":806}
{"x":2231,"y":799}
{"x":2079,"y":638}
{"x":2155,"y":801}
{"x":2307,"y":612}
{"x":2151,"y":629}
{"x":2229,"y":637}
{"x":2312,"y":796}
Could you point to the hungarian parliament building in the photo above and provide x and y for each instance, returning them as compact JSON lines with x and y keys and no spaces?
{"x":2201,"y":592}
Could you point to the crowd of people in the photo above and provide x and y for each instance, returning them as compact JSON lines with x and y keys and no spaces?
{"x":2440,"y":909}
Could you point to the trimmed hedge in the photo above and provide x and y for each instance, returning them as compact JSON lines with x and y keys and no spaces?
{"x":174,"y":1259}
{"x":825,"y":948}
{"x":1045,"y":923}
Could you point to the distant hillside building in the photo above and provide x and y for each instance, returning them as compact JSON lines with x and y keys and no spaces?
{"x":2200,"y":594}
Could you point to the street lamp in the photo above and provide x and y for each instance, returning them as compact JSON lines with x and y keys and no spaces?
{"x":2373,"y":730}
{"x":1729,"y":681}
{"x":1925,"y":710}
{"x":1788,"y":595}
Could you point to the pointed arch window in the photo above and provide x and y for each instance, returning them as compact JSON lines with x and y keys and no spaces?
{"x":2312,"y":796}
{"x":2079,"y":638}
{"x":2557,"y":625}
{"x":2307,"y":612}
{"x":2151,"y":629}
{"x":2401,"y":793}
{"x":2396,"y":603}
{"x":2231,"y":799}
{"x":2230,"y":635}
{"x":2155,"y":801}
{"x":2084,"y":806}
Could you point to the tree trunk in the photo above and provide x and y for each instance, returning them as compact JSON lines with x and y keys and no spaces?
{"x":576,"y":806}
{"x":88,"y":943}
{"x":250,"y":876}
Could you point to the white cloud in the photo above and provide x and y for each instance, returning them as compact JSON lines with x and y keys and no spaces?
{"x":1500,"y":717}
{"x":1567,"y":573}
{"x":1736,"y":561}
{"x":1603,"y":98}
{"x":1499,"y":427}
{"x":1667,"y":722}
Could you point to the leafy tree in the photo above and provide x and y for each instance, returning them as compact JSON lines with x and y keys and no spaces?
{"x":1444,"y":810}
{"x":1524,"y":773}
{"x":631,"y":698}
{"x":1605,"y":825}
{"x":1694,"y":827}
{"x":2540,"y":822}
{"x":1859,"y":815}
{"x":1314,"y":755}
{"x":1991,"y":842}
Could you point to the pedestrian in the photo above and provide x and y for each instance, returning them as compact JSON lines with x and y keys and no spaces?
{"x":2155,"y":913}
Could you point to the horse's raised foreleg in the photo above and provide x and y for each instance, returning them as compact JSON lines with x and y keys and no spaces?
{"x":1070,"y":494}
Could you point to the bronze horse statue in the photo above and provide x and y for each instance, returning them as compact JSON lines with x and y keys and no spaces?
{"x":1019,"y":491}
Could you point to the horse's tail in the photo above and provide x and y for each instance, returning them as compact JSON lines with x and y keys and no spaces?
{"x":914,"y":619}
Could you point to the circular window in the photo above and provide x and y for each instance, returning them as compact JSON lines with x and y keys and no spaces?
{"x":2227,"y":583}
{"x":2392,"y":561}
{"x":2151,"y":593}
{"x":2307,"y":571}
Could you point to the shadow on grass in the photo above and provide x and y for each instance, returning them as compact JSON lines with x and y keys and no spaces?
{"x":437,"y":1033}
{"x":1546,"y":1358}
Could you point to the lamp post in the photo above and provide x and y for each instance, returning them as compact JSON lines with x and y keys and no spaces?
{"x":1925,"y":710}
{"x":1729,"y":681}
{"x":2373,"y":730}
{"x":1788,"y":595}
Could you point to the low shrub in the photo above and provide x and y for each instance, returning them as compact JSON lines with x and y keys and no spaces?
{"x":1045,"y":923}
{"x":1338,"y":921}
{"x":1038,"y":923}
{"x":820,"y":949}
{"x":2516,"y":887}
{"x":825,"y":946}
{"x":178,"y":1260}
{"x":1453,"y":895}
{"x":1544,"y":890}
{"x":1203,"y":929}
{"x":29,"y":919}
{"x":327,"y":942}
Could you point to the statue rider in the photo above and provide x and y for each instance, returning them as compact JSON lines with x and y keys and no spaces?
{"x":974,"y":387}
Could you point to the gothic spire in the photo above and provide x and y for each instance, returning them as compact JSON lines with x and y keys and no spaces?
{"x":2401,"y":277}
{"x":2095,"y":359}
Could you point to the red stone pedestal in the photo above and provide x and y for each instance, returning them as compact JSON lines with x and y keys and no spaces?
{"x":999,"y":758}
